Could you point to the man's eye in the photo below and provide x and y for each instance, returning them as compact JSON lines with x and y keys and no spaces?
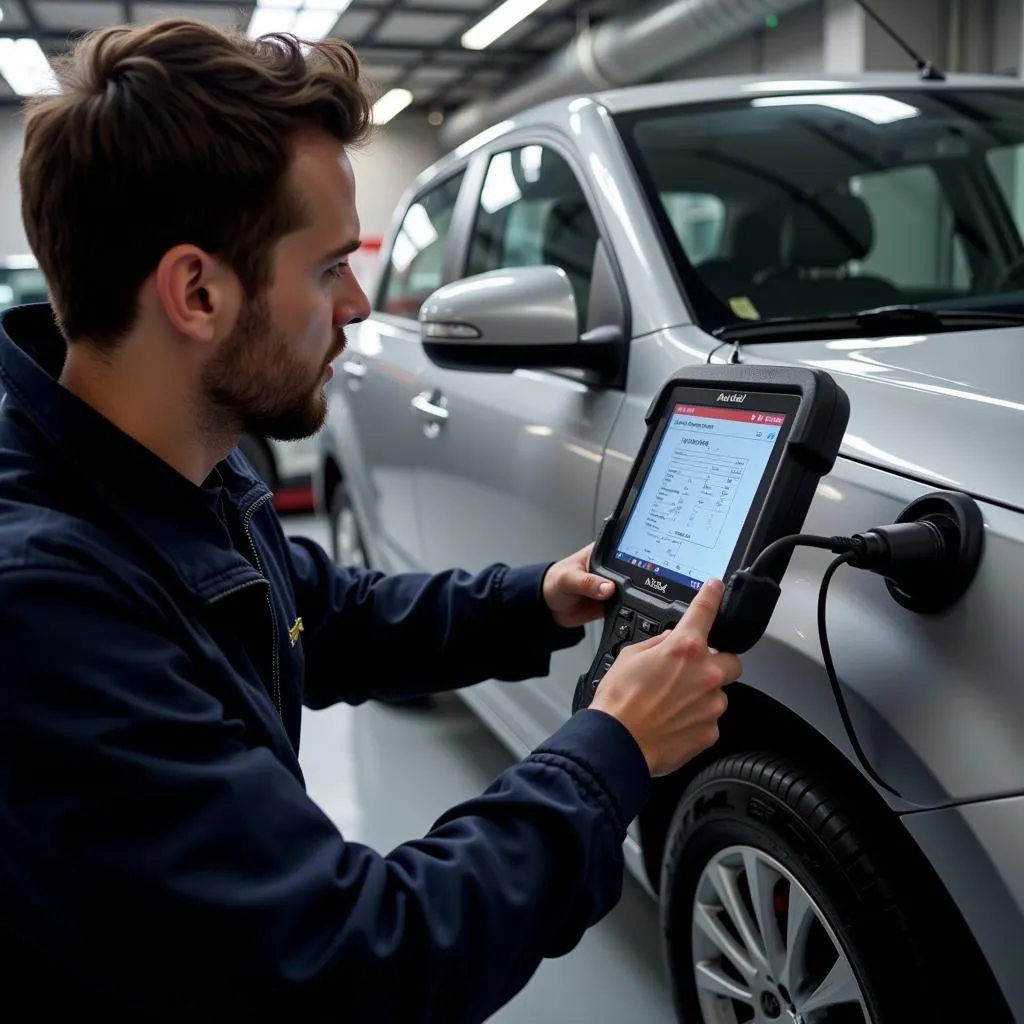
{"x":338,"y":269}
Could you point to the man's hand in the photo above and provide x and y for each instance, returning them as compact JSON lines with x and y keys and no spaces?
{"x":573,"y":593}
{"x":669,"y":691}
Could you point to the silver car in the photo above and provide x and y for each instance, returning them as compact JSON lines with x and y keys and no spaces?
{"x":590,"y":249}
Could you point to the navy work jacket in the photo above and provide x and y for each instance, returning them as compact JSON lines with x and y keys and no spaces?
{"x":160,"y":858}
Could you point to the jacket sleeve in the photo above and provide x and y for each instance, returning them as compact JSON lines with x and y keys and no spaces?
{"x":370,"y":635}
{"x":155,"y":853}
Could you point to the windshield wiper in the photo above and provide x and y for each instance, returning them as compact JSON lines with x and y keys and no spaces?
{"x":886,"y":319}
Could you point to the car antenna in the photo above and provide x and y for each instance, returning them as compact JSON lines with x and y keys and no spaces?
{"x":927,"y":69}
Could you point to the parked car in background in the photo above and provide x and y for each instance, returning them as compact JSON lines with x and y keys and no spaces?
{"x":286,"y":466}
{"x":670,"y":219}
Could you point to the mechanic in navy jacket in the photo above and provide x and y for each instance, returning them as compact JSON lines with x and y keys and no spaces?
{"x":190,"y":201}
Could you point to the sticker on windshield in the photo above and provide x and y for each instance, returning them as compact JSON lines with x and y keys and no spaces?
{"x":743,"y":307}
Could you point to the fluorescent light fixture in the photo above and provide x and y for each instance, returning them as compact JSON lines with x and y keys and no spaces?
{"x":312,"y":23}
{"x":877,"y":109}
{"x":392,"y":102}
{"x":24,"y":65}
{"x":307,"y":19}
{"x":265,"y":20}
{"x":498,"y":22}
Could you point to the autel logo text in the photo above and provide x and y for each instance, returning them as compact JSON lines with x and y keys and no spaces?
{"x":660,"y":585}
{"x":739,"y":399}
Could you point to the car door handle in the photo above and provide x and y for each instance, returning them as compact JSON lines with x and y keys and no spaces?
{"x":354,"y":368}
{"x":433,"y":411}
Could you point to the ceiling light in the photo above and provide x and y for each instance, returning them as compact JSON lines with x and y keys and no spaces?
{"x":24,"y":65}
{"x":265,"y":20}
{"x":314,"y":23}
{"x":391,"y":103}
{"x":498,"y":22}
{"x":307,"y":19}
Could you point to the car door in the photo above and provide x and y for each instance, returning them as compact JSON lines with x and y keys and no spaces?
{"x":379,"y":378}
{"x":511,"y":466}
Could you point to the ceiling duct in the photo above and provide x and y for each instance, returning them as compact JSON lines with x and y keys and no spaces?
{"x":625,"y":50}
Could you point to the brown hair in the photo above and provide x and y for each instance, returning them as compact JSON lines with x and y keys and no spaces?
{"x":168,"y":133}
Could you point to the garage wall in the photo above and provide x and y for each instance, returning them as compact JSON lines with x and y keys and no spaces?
{"x":1007,"y":35}
{"x":794,"y":47}
{"x":12,"y":236}
{"x":403,"y":148}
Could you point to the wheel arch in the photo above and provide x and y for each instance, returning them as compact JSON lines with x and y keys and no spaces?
{"x":756,"y":721}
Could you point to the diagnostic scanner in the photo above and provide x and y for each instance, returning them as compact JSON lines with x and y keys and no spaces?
{"x":729,"y":463}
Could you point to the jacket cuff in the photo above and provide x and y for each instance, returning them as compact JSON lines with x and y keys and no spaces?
{"x":522,"y":595}
{"x":604,"y":748}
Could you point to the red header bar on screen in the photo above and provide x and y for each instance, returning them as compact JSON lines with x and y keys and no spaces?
{"x":712,"y":412}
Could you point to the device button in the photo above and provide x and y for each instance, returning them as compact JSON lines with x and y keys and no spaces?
{"x":623,"y":630}
{"x":626,"y":614}
{"x":649,"y":626}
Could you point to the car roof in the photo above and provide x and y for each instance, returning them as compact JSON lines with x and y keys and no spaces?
{"x":679,"y":92}
{"x":702,"y":90}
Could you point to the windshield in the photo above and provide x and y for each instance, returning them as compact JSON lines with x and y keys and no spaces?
{"x":815,"y":205}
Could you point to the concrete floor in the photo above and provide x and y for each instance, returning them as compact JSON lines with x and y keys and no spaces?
{"x":384,"y":774}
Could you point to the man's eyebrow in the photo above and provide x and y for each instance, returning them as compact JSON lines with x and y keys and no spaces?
{"x":345,"y":250}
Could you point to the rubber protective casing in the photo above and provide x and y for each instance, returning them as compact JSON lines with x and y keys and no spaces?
{"x":809,"y":453}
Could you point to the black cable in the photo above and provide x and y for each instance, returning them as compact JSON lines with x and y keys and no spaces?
{"x":833,"y":680}
{"x":839,"y":545}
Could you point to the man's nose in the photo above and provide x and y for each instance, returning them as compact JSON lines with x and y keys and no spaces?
{"x":353,"y":305}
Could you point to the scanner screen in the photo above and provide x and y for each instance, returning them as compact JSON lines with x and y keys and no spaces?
{"x":700,"y":485}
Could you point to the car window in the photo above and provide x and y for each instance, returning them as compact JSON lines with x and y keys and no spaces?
{"x":698,"y":219}
{"x":812,"y":205}
{"x":916,"y":244}
{"x":1007,"y":166}
{"x":416,"y":262}
{"x":532,"y":212}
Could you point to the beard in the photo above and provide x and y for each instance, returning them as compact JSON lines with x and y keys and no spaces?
{"x":256,"y":385}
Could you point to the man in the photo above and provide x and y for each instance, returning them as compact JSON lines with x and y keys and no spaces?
{"x":190,"y":202}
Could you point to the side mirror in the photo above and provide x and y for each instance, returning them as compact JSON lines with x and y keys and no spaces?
{"x":512,"y":319}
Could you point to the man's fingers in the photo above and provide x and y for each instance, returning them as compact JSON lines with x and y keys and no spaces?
{"x":587,"y":584}
{"x":700,"y":616}
{"x":644,"y":645}
{"x":729,"y":665}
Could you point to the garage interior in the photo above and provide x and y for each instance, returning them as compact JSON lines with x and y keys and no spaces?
{"x":445,"y":73}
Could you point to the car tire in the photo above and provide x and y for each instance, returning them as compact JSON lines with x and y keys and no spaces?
{"x":259,"y":458}
{"x":347,"y":545}
{"x":820,"y":865}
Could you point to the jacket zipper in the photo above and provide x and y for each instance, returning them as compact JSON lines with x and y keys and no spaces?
{"x":274,"y":667}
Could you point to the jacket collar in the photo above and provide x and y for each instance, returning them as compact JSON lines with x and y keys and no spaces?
{"x":177,"y":519}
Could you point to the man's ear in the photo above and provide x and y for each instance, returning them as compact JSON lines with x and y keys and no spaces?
{"x":199,"y":295}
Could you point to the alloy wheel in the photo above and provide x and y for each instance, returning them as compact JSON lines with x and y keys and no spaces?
{"x":763,"y":950}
